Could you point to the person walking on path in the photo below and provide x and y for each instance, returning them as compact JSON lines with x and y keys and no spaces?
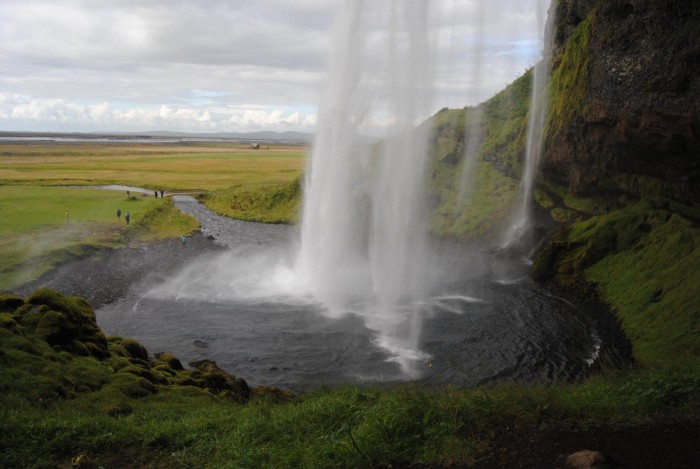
{"x":155,"y":193}
{"x":127,"y":217}
{"x":161,"y":194}
{"x":119,"y":214}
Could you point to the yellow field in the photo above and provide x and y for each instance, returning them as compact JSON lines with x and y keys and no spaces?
{"x":182,"y":167}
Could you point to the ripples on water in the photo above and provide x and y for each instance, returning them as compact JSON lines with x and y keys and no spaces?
{"x":246,"y":309}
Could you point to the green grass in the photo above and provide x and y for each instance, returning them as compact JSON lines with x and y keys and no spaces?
{"x":267,"y":203}
{"x":569,"y":80}
{"x":643,"y":259}
{"x":34,"y":235}
{"x":482,"y":214}
{"x":651,"y":283}
{"x":168,"y":167}
{"x":69,"y":394}
{"x":502,"y":143}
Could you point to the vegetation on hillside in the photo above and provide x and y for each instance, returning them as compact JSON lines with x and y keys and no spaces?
{"x":642,"y":258}
{"x":568,"y":84}
{"x":494,"y":178}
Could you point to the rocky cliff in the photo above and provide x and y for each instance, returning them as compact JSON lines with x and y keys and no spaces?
{"x":625,"y":113}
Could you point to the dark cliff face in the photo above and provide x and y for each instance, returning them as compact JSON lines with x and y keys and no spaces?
{"x":626,"y":97}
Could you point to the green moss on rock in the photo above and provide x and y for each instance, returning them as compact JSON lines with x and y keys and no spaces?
{"x":135,"y":349}
{"x":138,"y":371}
{"x":569,"y":80}
{"x":117,"y":410}
{"x":643,"y":260}
{"x":132,"y":386}
{"x":65,"y":322}
{"x":10,"y":303}
{"x":170,"y":360}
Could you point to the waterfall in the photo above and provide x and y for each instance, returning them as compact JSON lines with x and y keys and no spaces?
{"x":363,"y":237}
{"x":473,"y":117}
{"x":521,"y":219}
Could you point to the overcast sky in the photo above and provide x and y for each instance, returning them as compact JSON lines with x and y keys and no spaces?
{"x":223,"y":65}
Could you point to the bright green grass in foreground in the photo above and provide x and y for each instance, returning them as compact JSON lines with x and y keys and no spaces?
{"x":34,"y":234}
{"x":652,"y":283}
{"x":345,"y":427}
{"x":71,"y":395}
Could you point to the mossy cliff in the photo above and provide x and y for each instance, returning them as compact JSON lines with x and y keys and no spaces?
{"x":625,"y":111}
{"x":622,"y":154}
{"x":621,"y":166}
{"x":481,"y":214}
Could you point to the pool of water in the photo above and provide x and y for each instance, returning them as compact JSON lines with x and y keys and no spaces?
{"x":484,"y":320}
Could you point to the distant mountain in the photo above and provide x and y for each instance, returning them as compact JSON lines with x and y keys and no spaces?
{"x":256,"y":136}
{"x":263,"y":136}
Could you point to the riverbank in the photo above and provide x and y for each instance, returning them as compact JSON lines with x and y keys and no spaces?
{"x":43,"y":227}
{"x":106,"y":276}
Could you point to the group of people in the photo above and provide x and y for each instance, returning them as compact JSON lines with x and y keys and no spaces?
{"x":127,"y":216}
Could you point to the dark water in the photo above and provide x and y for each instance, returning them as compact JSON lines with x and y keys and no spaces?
{"x":485,"y":320}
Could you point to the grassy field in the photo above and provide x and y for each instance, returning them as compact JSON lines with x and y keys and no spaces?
{"x":35,"y":235}
{"x":172,"y":167}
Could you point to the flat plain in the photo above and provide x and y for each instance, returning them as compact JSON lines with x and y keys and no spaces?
{"x":36,"y":190}
{"x":172,"y":166}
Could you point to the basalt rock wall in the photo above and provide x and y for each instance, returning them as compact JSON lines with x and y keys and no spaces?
{"x":625,"y":111}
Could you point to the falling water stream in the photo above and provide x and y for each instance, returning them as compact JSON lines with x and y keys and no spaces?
{"x":363,"y":238}
{"x":521,"y":218}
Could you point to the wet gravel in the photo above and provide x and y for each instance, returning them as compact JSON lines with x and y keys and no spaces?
{"x":107,"y":276}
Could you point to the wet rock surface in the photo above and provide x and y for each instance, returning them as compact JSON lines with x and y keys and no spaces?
{"x":105,"y":277}
{"x":636,"y":128}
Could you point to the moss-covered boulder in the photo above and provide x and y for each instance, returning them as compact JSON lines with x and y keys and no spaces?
{"x":272,"y":394}
{"x":51,"y":349}
{"x":170,"y":360}
{"x":217,"y":381}
{"x":65,"y":322}
{"x":9,"y":303}
{"x":135,"y":349}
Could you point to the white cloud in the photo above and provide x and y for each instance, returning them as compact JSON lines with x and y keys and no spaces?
{"x":219,"y":65}
{"x":60,"y":115}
